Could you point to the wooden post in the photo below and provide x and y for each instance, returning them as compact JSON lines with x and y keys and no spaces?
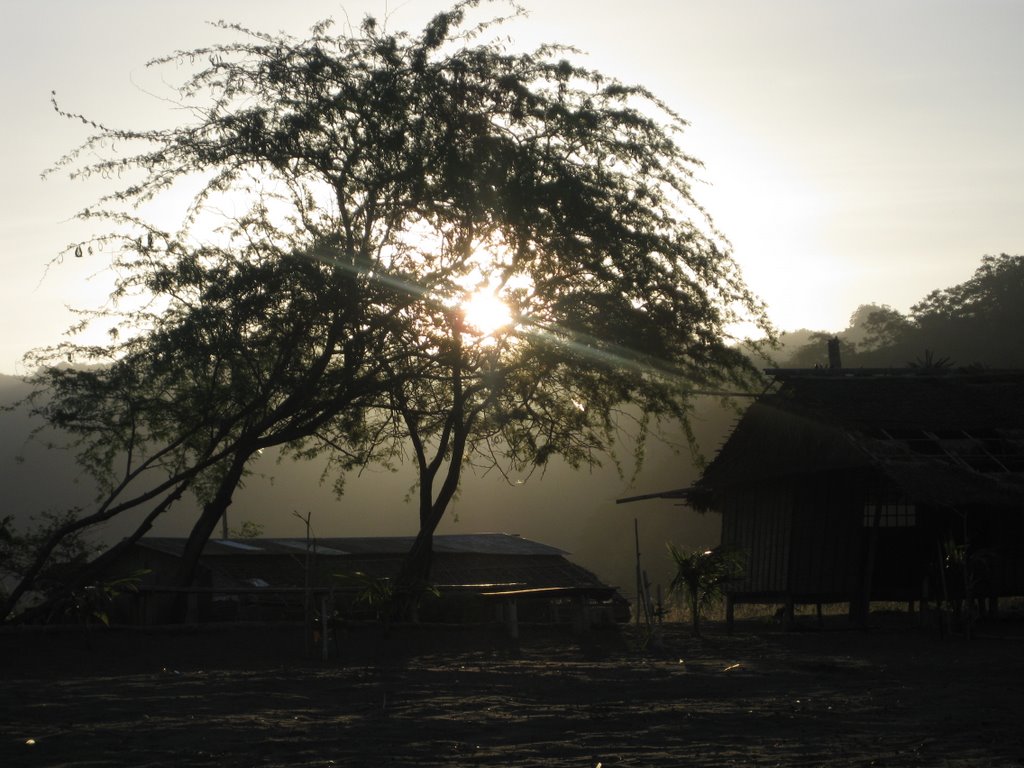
{"x":942,"y":604}
{"x":730,"y":612}
{"x":324,"y":629}
{"x":862,"y":608}
{"x":582,"y":622}
{"x":512,"y":618}
{"x":192,"y":613}
{"x":639,"y":573}
{"x":658,"y":631}
{"x":648,"y":607}
{"x":968,"y":572}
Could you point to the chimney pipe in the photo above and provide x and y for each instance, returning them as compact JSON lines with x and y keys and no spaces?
{"x":834,"y":360}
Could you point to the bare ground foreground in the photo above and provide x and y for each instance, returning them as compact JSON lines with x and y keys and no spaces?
{"x":896,"y":695}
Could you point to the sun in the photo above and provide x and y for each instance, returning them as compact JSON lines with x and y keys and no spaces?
{"x":485,"y":313}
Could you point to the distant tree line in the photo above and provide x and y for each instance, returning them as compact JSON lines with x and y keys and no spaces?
{"x":979,"y":322}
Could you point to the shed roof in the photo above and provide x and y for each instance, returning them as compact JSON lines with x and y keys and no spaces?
{"x":473,"y":543}
{"x":477,"y":561}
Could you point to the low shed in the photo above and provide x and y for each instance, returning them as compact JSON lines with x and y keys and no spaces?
{"x":265,"y":578}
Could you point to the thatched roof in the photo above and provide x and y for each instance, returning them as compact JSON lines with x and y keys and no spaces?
{"x":942,"y":437}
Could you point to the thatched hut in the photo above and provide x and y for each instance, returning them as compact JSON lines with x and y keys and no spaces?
{"x":874,"y":485}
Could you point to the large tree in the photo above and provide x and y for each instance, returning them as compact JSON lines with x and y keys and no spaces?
{"x":434,"y":168}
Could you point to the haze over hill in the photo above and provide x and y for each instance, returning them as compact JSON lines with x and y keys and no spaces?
{"x":572,"y":510}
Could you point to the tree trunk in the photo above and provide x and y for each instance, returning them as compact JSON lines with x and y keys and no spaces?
{"x":415,"y":574}
{"x":201,"y":531}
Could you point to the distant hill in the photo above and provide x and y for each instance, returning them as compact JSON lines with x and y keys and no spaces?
{"x":974,"y":323}
{"x":790,"y":342}
{"x":33,"y":477}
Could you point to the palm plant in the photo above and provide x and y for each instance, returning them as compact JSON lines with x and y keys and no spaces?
{"x":701,"y":576}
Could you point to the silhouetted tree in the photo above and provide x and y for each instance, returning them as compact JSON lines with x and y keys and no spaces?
{"x":427,"y":168}
{"x":252,"y":350}
{"x":18,"y":546}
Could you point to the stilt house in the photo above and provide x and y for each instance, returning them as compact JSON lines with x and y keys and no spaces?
{"x":843,"y":485}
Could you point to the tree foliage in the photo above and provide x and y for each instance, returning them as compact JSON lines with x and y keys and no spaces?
{"x":17,"y":546}
{"x":375,"y":181}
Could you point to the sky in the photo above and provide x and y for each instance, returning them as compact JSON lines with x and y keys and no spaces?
{"x":853,"y":152}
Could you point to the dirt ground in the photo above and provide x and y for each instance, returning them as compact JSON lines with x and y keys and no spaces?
{"x":892,"y":696}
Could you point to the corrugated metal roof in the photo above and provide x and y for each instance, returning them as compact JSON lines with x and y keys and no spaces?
{"x":471,"y":543}
{"x":460,"y":560}
{"x":301,"y":545}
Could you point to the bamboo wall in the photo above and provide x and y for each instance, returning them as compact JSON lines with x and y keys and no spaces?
{"x":805,"y":540}
{"x":758,"y":522}
{"x":803,"y":537}
{"x":828,"y":538}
